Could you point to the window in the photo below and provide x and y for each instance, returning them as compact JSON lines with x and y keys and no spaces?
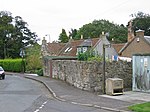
{"x":68,"y":49}
{"x":84,"y":49}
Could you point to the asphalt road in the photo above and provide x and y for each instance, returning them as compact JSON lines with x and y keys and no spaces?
{"x":18,"y":94}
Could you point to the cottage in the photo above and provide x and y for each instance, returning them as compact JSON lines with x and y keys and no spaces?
{"x":70,"y":50}
{"x":139,"y":44}
{"x":73,"y":47}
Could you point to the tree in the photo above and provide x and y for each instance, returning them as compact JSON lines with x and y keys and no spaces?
{"x":33,"y":58}
{"x":14,"y":30}
{"x":94,"y":29}
{"x":63,"y":37}
{"x":141,"y":21}
{"x":6,"y":29}
{"x":73,"y":33}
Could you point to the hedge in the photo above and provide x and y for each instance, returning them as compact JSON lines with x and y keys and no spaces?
{"x":12,"y":65}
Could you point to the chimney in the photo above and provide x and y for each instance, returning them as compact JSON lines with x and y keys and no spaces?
{"x":44,"y":42}
{"x":43,"y":48}
{"x":140,"y":33}
{"x":71,"y":39}
{"x":130,"y":31}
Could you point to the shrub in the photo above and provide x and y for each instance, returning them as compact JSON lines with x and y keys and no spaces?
{"x":89,"y":56}
{"x":82,"y":56}
{"x":33,"y":63}
{"x":12,"y":65}
{"x":96,"y":58}
{"x":39,"y":72}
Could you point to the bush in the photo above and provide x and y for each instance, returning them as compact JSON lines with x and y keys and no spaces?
{"x":82,"y":56}
{"x":89,"y":56}
{"x":33,"y":63}
{"x":96,"y":58}
{"x":40,"y":72}
{"x":12,"y":65}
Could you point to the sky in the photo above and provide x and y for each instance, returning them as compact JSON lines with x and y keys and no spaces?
{"x":48,"y":17}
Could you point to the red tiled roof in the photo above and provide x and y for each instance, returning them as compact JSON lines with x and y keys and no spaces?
{"x":59,"y":48}
{"x":118,"y":47}
{"x":54,"y":48}
{"x":74,"y":44}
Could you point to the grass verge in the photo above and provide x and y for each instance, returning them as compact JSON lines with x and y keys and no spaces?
{"x":144,"y":107}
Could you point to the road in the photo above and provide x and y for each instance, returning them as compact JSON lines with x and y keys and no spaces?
{"x":18,"y":94}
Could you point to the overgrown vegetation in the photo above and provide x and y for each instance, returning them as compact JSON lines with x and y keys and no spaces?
{"x":96,"y":58}
{"x":31,"y":63}
{"x":33,"y":59}
{"x":89,"y":56}
{"x":145,"y":107}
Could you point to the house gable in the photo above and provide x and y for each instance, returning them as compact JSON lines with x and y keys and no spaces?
{"x":137,"y":45}
{"x":109,"y":51}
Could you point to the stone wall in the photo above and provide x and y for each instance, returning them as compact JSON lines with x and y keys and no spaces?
{"x":88,"y":75}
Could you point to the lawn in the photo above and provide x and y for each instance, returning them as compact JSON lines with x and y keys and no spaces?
{"x":144,"y":107}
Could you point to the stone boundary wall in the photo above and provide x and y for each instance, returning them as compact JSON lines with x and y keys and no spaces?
{"x":88,"y":75}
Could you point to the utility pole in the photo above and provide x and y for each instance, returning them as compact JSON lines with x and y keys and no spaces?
{"x":104,"y":63}
{"x":104,"y":68}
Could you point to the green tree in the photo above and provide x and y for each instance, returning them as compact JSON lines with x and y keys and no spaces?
{"x":141,"y":21}
{"x":33,"y":58}
{"x":94,"y":29}
{"x":63,"y":36}
{"x":14,"y":30}
{"x":6,"y":29}
{"x":73,"y":33}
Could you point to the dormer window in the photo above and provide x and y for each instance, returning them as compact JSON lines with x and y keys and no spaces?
{"x":81,"y":50}
{"x":84,"y":46}
{"x":84,"y":49}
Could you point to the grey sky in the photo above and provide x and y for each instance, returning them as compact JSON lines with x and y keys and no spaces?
{"x":50,"y":16}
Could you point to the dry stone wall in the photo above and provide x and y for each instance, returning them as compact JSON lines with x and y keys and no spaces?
{"x":88,"y":75}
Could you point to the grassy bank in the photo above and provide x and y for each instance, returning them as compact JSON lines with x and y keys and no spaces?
{"x":144,"y":107}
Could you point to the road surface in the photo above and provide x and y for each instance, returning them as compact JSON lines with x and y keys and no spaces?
{"x":18,"y":94}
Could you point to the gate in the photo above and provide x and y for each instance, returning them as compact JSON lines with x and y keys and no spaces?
{"x":141,"y":73}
